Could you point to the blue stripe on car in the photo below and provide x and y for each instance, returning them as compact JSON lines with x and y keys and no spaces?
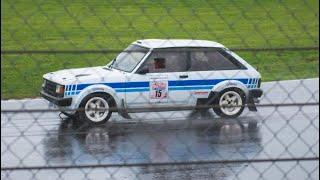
{"x":171,"y":83}
{"x":176,"y":88}
{"x":144,"y":86}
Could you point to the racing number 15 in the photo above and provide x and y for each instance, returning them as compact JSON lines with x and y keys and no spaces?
{"x":158,"y":93}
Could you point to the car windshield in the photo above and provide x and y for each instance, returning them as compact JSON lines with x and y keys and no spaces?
{"x":129,"y":58}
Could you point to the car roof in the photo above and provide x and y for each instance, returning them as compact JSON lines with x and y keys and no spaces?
{"x":169,"y":43}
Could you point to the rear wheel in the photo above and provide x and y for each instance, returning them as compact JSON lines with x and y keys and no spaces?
{"x":95,"y":108}
{"x":230,"y":103}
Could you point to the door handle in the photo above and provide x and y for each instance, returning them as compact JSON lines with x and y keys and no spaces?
{"x":183,"y":76}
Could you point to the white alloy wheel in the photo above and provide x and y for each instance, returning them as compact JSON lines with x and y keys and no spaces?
{"x":230,"y":103}
{"x":97,"y":109}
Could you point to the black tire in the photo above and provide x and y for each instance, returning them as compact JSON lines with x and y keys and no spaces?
{"x":83,"y":114}
{"x":218,"y":108}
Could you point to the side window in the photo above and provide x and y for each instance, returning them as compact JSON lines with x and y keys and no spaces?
{"x":206,"y":60}
{"x":166,"y":61}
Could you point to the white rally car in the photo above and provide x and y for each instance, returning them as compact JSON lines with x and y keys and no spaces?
{"x":157,"y":74}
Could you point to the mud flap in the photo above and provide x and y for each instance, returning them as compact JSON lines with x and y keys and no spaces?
{"x":253,"y":93}
{"x":123,"y":112}
{"x":211,"y":98}
{"x":251,"y":105}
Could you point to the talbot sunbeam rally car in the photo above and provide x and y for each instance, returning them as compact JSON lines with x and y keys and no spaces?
{"x":155,"y":73}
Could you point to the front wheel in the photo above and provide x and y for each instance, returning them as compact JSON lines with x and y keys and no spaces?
{"x":95,"y":109}
{"x":230,"y":103}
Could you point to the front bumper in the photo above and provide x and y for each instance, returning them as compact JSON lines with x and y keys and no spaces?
{"x":56,"y":100}
{"x":253,"y":96}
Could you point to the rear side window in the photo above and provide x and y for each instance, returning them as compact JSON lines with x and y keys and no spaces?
{"x":172,"y":60}
{"x":212,"y":59}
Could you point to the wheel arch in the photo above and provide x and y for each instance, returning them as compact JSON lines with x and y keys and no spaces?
{"x":229,"y":84}
{"x":99,"y":88}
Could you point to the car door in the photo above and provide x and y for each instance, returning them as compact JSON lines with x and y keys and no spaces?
{"x":160,"y":80}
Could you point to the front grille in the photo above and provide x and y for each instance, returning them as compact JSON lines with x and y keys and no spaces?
{"x":50,"y":88}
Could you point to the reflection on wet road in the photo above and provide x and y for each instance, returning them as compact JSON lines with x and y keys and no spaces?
{"x":140,"y":142}
{"x":143,"y":142}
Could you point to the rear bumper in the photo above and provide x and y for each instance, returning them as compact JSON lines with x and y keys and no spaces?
{"x":255,"y":93}
{"x":56,"y":100}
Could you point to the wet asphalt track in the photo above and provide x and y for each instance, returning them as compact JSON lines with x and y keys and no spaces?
{"x":281,"y":132}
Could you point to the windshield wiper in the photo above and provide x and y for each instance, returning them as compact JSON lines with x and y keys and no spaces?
{"x":114,"y":60}
{"x":107,"y":68}
{"x":110,"y":66}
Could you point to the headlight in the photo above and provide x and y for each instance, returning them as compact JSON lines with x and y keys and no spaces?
{"x":59,"y":89}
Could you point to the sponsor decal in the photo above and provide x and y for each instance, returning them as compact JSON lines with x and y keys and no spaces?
{"x":200,"y":93}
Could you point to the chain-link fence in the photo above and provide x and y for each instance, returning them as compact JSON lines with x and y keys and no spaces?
{"x":168,"y":106}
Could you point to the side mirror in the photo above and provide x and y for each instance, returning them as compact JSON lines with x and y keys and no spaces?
{"x":143,"y":70}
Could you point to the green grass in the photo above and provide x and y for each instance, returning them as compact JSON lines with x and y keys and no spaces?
{"x":84,"y":24}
